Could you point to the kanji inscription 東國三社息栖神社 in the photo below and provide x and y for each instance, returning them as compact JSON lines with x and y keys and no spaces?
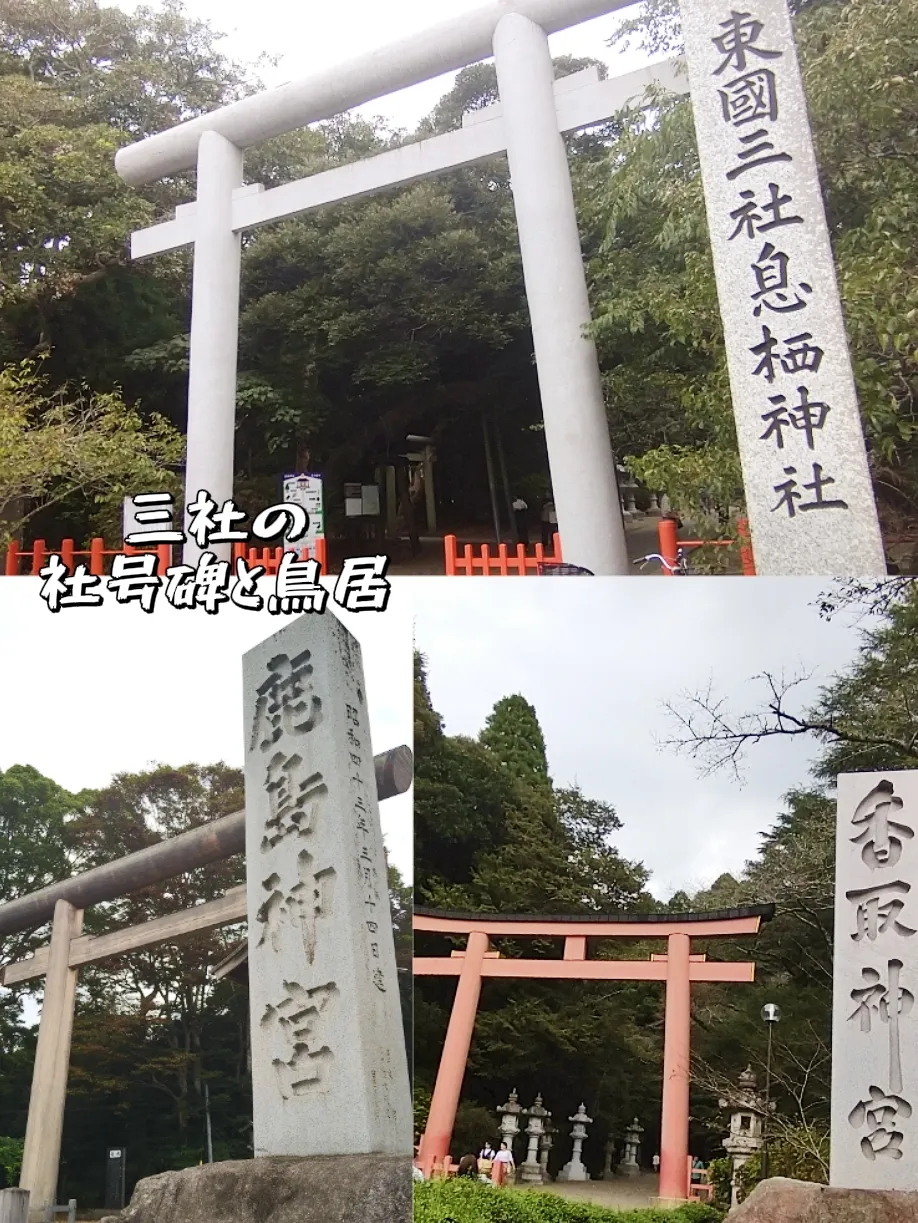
{"x":329,"y":1074}
{"x":875,"y":1042}
{"x":808,"y":489}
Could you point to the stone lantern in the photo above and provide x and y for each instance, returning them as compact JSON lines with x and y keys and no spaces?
{"x":609,"y":1152}
{"x":574,"y":1170}
{"x":546,"y":1142}
{"x":630,"y":1165}
{"x":747,"y":1125}
{"x":531,"y":1170}
{"x":510,"y":1119}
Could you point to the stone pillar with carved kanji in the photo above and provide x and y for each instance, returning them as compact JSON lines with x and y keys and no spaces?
{"x":329,"y":1067}
{"x":630,"y":1164}
{"x":574,"y":1170}
{"x":530,"y":1170}
{"x":747,"y":1126}
{"x":874,"y":1129}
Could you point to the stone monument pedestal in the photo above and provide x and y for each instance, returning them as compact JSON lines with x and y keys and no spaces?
{"x":574,"y":1171}
{"x":779,"y":1200}
{"x":282,"y":1189}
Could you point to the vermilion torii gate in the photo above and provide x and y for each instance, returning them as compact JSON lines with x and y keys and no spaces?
{"x":678,"y":968}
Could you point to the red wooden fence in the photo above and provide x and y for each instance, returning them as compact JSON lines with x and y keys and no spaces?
{"x":670,"y":545}
{"x":507,"y":562}
{"x":23,"y":562}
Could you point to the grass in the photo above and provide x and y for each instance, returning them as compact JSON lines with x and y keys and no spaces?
{"x":459,"y":1201}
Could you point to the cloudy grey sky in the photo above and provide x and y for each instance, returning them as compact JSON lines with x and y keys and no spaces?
{"x":598,"y":660}
{"x":308,"y":38}
{"x":93,"y":692}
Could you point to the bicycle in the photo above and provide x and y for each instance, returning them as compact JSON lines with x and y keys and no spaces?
{"x":680,"y":569}
{"x":555,"y":569}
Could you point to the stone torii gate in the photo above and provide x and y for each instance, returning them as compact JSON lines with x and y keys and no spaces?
{"x":286,"y":827}
{"x":528,"y":123}
{"x":678,"y":968}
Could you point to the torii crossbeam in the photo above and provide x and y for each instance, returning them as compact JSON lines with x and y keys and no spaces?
{"x":678,"y":968}
{"x":528,"y":124}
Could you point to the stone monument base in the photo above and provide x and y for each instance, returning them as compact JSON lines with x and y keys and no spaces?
{"x":274,"y":1189}
{"x":573,"y":1172}
{"x":779,"y":1200}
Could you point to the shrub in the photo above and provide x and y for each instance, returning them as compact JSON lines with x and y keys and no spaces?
{"x":801,"y":1153}
{"x":11,"y":1158}
{"x":459,"y":1201}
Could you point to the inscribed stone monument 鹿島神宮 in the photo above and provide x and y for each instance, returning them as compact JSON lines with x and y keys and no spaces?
{"x":329,"y":1069}
{"x":807,"y":483}
{"x":875,"y":1020}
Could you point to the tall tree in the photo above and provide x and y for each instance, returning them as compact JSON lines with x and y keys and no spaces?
{"x":512,"y":733}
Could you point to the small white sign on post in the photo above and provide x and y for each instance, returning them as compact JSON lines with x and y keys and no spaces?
{"x":329,"y":1067}
{"x":808,"y":489}
{"x":306,"y":490}
{"x":874,"y":1017}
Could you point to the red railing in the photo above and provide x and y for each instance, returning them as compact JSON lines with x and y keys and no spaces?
{"x":670,"y":545}
{"x":505,"y":562}
{"x":24,"y":562}
{"x":270,"y":558}
{"x":94,"y":556}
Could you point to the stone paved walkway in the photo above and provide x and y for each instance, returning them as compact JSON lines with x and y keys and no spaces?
{"x":623,"y":1193}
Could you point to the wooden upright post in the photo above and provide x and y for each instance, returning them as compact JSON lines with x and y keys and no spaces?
{"x":436,"y":1139}
{"x":41,"y":1157}
{"x":676,"y":1061}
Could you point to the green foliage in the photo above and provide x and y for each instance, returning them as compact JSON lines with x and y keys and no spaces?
{"x":512,"y":733}
{"x":471,"y":1202}
{"x":866,"y":717}
{"x":473,"y":1127}
{"x":11,"y":1158}
{"x":720,"y":1177}
{"x":800,"y":1153}
{"x":421,"y":1099}
{"x":91,"y":446}
{"x":34,"y":817}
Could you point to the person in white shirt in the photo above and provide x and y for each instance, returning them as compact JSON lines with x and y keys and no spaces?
{"x":503,"y":1164}
{"x":521,"y":515}
{"x":549,"y":522}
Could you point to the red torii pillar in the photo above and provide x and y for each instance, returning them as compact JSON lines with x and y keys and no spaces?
{"x":678,"y":969}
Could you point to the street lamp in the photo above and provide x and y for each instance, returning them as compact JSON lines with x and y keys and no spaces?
{"x":771,"y":1015}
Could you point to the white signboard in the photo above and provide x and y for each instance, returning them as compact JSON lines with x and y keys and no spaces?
{"x":369,"y":500}
{"x":306,"y":490}
{"x":874,"y":1017}
{"x":808,"y":489}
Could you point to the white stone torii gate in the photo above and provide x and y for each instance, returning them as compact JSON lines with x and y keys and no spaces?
{"x":528,"y":124}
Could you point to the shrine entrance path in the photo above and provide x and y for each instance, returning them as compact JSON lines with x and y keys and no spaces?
{"x":623,"y":1193}
{"x":640,"y":536}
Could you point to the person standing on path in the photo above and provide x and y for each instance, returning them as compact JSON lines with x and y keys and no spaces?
{"x":521,"y":515}
{"x":549,"y":522}
{"x":503,"y":1165}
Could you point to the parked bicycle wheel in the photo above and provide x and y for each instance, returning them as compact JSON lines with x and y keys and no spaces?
{"x":559,"y":569}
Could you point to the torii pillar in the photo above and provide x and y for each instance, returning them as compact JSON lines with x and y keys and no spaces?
{"x":679,"y":968}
